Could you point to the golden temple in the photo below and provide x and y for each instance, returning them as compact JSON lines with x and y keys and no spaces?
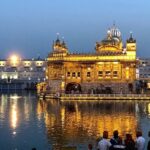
{"x":110,"y":69}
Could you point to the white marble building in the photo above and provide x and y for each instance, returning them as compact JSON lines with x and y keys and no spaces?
{"x":16,"y":73}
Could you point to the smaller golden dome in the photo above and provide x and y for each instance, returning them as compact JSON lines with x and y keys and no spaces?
{"x":59,"y":46}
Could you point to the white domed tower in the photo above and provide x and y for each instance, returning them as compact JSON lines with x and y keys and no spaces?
{"x":115,"y":32}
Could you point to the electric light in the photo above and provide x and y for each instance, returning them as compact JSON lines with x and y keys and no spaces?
{"x":15,"y":77}
{"x":14,"y":58}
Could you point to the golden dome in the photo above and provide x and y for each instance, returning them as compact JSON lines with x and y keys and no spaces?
{"x":112,"y":42}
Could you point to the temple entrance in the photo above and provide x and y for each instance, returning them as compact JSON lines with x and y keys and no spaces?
{"x":73,"y":88}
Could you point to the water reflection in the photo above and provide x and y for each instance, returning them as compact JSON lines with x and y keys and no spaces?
{"x":13,"y":114}
{"x":81,"y":122}
{"x":19,"y":124}
{"x":26,"y":122}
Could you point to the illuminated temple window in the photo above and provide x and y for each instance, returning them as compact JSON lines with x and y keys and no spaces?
{"x":108,"y":73}
{"x":79,"y":74}
{"x":100,"y":74}
{"x":88,"y":74}
{"x":100,"y":63}
{"x":115,"y":62}
{"x":73,"y":74}
{"x":68,"y":74}
{"x":115,"y":73}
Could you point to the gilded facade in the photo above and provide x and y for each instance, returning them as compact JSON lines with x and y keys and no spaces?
{"x":111,"y":68}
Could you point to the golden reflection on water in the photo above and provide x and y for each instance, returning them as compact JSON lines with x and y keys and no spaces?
{"x":26,"y":110}
{"x":78,"y":121}
{"x":13,"y":113}
{"x":63,"y":116}
{"x":73,"y":122}
{"x":18,"y":109}
{"x":3,"y":104}
{"x":13,"y":116}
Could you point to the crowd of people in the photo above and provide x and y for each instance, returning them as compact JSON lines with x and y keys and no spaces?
{"x":116,"y":142}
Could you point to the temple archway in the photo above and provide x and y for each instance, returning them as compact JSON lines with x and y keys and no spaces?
{"x":73,"y":88}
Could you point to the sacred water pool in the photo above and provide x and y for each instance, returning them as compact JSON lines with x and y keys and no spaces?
{"x":26,"y":122}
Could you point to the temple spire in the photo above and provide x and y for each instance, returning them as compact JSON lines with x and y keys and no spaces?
{"x":114,"y":23}
{"x":57,"y":34}
{"x":131,"y":35}
{"x":131,"y":39}
{"x":63,"y":38}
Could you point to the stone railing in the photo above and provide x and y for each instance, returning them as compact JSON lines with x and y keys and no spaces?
{"x":105,"y":95}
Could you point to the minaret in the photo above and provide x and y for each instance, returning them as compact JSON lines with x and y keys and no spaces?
{"x":59,"y":47}
{"x":131,"y":46}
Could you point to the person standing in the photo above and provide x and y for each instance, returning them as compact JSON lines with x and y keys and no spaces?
{"x":140,"y":141}
{"x":129,"y":142}
{"x":90,"y":147}
{"x":104,"y":144}
{"x":116,"y":139}
{"x":148,"y":146}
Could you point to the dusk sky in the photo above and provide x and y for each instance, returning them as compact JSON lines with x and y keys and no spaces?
{"x":28,"y":27}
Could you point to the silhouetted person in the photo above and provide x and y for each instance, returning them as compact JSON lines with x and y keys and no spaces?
{"x":33,"y":148}
{"x":129,"y":142}
{"x":90,"y":147}
{"x":148,"y":146}
{"x":98,"y":140}
{"x":104,"y":144}
{"x":116,"y":139}
{"x":140,"y":141}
